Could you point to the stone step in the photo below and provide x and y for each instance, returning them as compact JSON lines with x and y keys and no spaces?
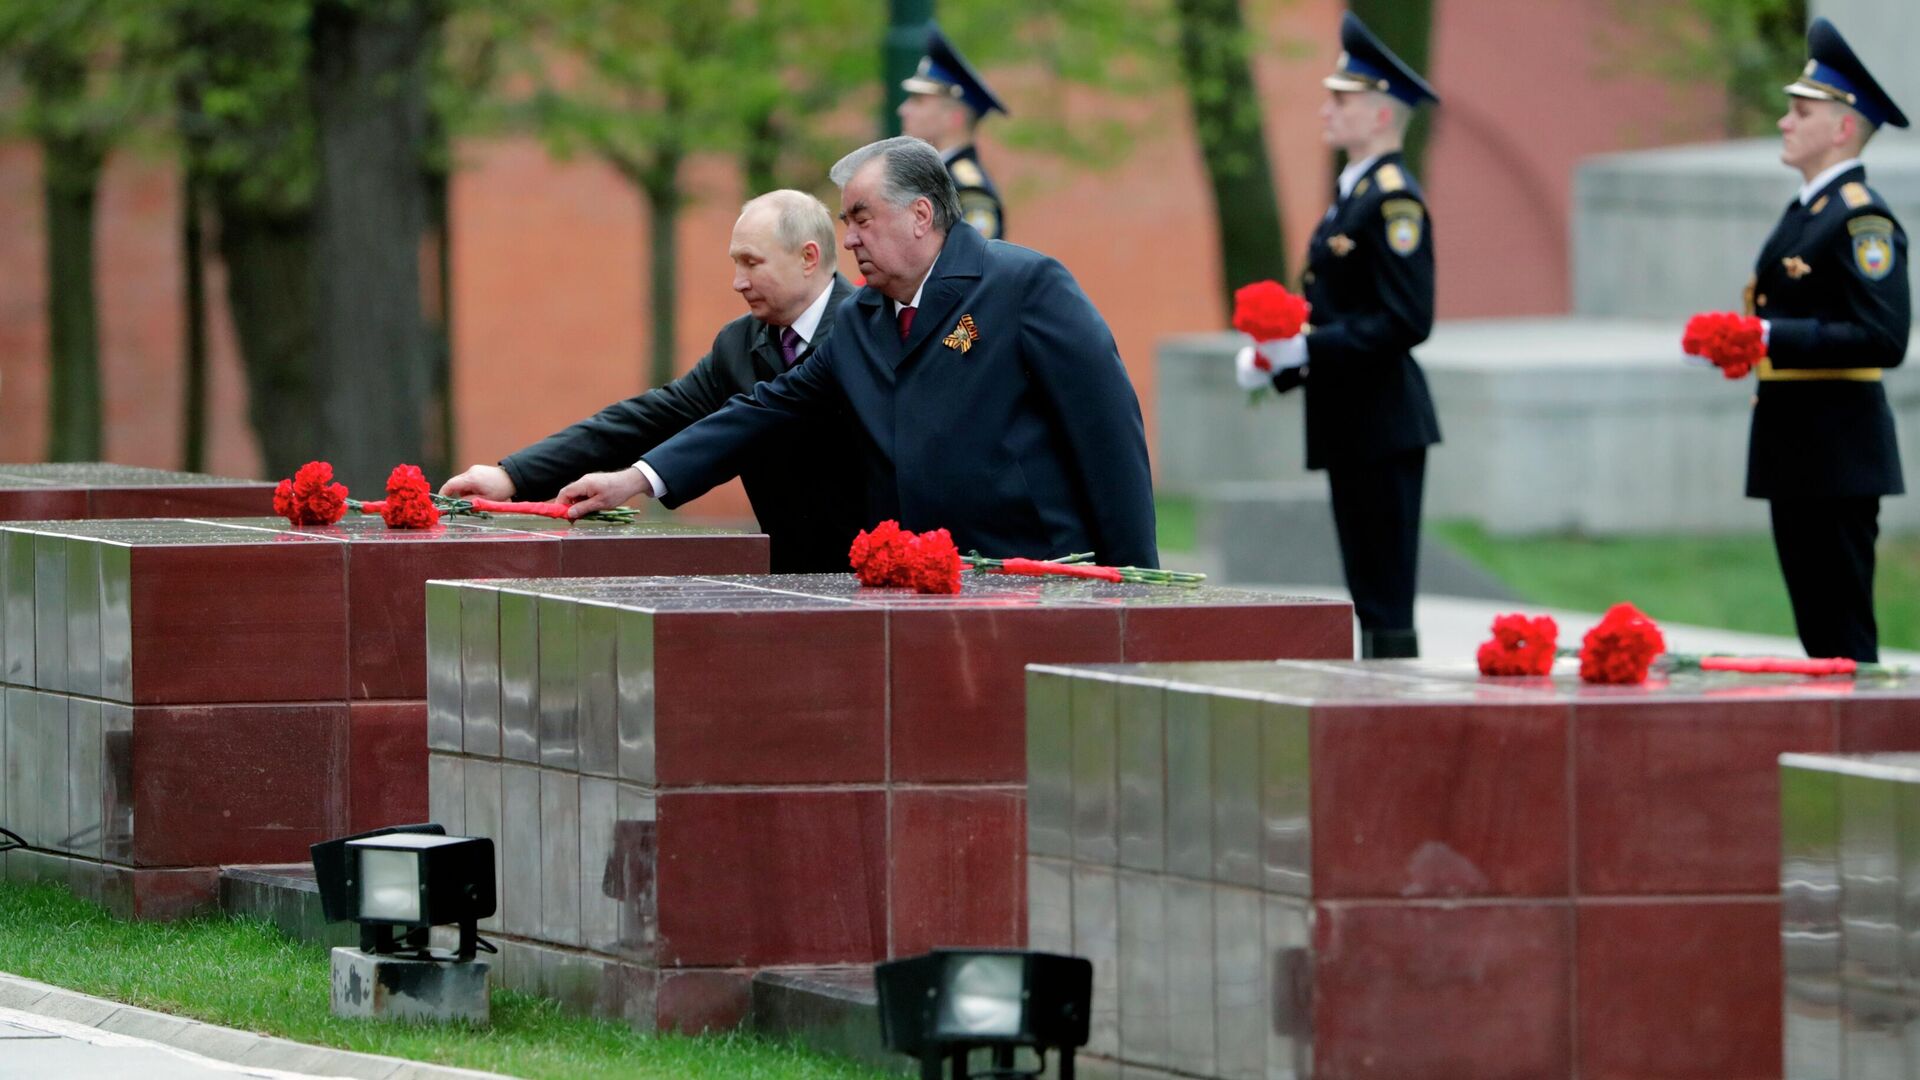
{"x":285,"y":895}
{"x":830,"y":1009}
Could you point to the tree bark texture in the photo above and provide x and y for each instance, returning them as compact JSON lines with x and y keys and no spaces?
{"x":372,"y":349}
{"x":193,"y":413}
{"x":270,"y":292}
{"x":70,"y":179}
{"x":660,"y":183}
{"x":1227,"y":118}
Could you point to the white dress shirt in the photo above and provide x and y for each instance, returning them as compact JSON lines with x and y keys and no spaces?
{"x":806,"y":326}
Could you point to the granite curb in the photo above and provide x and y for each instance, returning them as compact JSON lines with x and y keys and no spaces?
{"x":229,"y":1045}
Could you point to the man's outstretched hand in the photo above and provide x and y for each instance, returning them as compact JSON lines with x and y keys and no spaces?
{"x":480,"y":481}
{"x":603,"y":491}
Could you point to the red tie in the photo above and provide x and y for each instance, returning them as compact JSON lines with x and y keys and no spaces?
{"x":906,"y":321}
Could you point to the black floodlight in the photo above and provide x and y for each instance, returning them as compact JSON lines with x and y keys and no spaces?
{"x":941,"y":1006}
{"x":396,"y":883}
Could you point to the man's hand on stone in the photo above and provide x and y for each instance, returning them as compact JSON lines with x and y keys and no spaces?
{"x":480,"y":481}
{"x":603,"y":491}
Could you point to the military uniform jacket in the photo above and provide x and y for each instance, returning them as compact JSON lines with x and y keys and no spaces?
{"x":809,"y":527}
{"x":1369,"y":278}
{"x":1832,"y":284}
{"x":1006,"y":415}
{"x":979,"y":200}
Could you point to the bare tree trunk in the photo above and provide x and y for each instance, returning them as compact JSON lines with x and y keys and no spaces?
{"x":661,"y":185}
{"x":270,"y":291}
{"x":1227,"y":119}
{"x":193,"y":418}
{"x":70,"y":164}
{"x":761,"y":158}
{"x":368,"y":86}
{"x":1406,"y":26}
{"x":442,"y":430}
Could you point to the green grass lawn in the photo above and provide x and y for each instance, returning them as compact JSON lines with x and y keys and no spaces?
{"x":245,"y":974}
{"x":1732,"y":582}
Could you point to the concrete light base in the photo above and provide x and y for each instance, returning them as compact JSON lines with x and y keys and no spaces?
{"x":368,"y":987}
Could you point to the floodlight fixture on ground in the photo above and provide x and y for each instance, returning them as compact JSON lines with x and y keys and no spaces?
{"x":398,"y":882}
{"x":940,"y":1007}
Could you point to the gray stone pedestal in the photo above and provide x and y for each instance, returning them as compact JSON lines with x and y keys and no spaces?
{"x":369,"y":987}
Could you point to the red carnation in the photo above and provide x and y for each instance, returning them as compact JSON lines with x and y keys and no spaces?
{"x":935,"y":563}
{"x":1621,"y":648}
{"x":1519,"y":646}
{"x":1266,"y":311}
{"x":880,"y":556}
{"x":1733,"y":342}
{"x":409,"y":501}
{"x":311,"y":497}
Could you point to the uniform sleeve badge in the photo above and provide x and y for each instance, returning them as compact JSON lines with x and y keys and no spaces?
{"x":1872,"y":246}
{"x":1405,"y":218}
{"x":965,"y":333}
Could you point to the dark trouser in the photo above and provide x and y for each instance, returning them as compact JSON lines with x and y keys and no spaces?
{"x":1376,"y":512}
{"x":1826,"y":555}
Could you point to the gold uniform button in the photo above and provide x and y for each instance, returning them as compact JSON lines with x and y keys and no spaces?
{"x":1307,"y":279}
{"x":1760,"y":301}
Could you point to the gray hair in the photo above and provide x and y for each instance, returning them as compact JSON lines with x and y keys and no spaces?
{"x":799,"y":217}
{"x":913,"y":171}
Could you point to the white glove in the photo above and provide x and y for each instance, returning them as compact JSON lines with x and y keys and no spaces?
{"x":1285,"y":353}
{"x":1249,"y":377}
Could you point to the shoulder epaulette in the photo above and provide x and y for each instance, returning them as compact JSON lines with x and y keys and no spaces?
{"x":1390,"y":177}
{"x":1855,"y":194}
{"x":967,"y":174}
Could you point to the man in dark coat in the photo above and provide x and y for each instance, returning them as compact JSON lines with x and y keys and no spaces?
{"x":1831,"y":285}
{"x":1369,"y":280}
{"x":946,"y":100}
{"x":783,"y":255}
{"x":989,"y":397}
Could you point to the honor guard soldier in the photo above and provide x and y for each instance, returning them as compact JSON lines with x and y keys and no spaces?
{"x":1369,"y":277}
{"x":1831,"y":288}
{"x":946,"y":100}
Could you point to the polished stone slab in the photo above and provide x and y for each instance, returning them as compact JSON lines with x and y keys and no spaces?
{"x":1404,"y":869}
{"x":719,"y":774}
{"x":99,"y":490}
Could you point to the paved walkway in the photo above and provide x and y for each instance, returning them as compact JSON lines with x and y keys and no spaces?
{"x":55,"y":1034}
{"x":1451,"y":628}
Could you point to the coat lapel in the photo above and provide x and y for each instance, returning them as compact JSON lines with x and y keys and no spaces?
{"x":958,"y":267}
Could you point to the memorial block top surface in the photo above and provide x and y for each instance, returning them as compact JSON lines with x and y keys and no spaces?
{"x":201,"y":611}
{"x":720,"y":593}
{"x":93,"y":474}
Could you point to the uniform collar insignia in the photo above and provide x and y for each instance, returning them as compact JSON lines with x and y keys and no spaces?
{"x":1796,"y":266}
{"x":1339,"y":243}
{"x":965,"y":333}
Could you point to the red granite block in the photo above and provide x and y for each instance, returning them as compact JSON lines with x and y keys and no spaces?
{"x":387,"y":598}
{"x":1684,"y":990}
{"x":42,"y":504}
{"x":243,"y":622}
{"x":1408,"y":991}
{"x":1295,"y":631}
{"x":597,"y":554}
{"x":692,"y":1002}
{"x":236,"y":783}
{"x":1440,"y":800}
{"x":1684,"y":796}
{"x":770,"y":696}
{"x":958,"y":678}
{"x":957,"y":875}
{"x":1878,"y":725}
{"x":772,"y":877}
{"x":386,"y":764}
{"x":179,"y":501}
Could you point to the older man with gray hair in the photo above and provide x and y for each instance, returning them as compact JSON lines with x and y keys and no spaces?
{"x":783,"y":267}
{"x":987,"y":393}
